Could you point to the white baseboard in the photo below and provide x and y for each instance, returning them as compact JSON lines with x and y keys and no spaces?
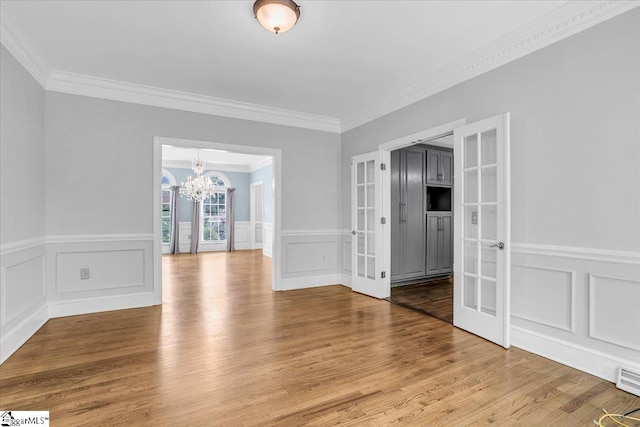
{"x":14,"y":339}
{"x":594,"y":362}
{"x":267,"y":251}
{"x":309,"y":282}
{"x":99,"y":304}
{"x":345,"y":279}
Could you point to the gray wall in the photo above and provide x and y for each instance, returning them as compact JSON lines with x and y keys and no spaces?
{"x":22,"y":211}
{"x":89,"y":139}
{"x":23,"y":306}
{"x":265,"y":175}
{"x":575,"y":136}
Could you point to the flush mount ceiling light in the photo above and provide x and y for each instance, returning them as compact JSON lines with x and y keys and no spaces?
{"x":276,"y":16}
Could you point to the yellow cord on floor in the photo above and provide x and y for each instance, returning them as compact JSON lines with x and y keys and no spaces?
{"x":613,"y":417}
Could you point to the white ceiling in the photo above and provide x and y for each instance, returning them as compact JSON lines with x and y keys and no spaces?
{"x":345,"y":61}
{"x":182,"y":157}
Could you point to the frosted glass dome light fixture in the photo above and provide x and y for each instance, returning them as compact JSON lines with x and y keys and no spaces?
{"x":276,"y":16}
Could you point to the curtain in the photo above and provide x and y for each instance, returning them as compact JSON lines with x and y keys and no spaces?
{"x":174,"y":239}
{"x":231,"y":228}
{"x":195,"y":227}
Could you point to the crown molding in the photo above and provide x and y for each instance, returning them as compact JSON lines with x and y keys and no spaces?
{"x":565,"y":21}
{"x":14,"y":38}
{"x":260,"y":163}
{"x":96,"y":87}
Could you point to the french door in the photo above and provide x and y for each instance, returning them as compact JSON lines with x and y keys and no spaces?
{"x":482,"y":229}
{"x":366,"y":244}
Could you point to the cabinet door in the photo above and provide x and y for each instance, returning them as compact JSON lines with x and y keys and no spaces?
{"x":433,"y":220}
{"x":445,"y":244}
{"x":396,"y":216}
{"x":433,"y":162}
{"x":414,"y":194}
{"x":446,"y":168}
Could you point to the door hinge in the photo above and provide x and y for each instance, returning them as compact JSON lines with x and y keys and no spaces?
{"x":383,"y":220}
{"x":383,"y":274}
{"x":383,"y":166}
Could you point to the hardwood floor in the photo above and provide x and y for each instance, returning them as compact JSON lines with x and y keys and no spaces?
{"x":226,"y":350}
{"x":434,"y":298}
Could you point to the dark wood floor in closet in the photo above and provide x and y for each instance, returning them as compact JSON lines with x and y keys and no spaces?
{"x":434,"y":298}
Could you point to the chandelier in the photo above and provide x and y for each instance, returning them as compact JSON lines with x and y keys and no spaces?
{"x":276,"y":16}
{"x":198,"y":187}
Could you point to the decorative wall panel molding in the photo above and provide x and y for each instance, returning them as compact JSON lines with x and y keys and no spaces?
{"x":577,"y":306}
{"x":614,"y":301}
{"x":531,"y":288}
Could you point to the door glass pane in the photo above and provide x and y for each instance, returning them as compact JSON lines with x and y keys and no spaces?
{"x":469,"y":293}
{"x":360,"y":201}
{"x":370,"y":220}
{"x":471,"y":151}
{"x":361,"y":224}
{"x":371,"y":195}
{"x":489,"y":184}
{"x":488,"y":297}
{"x":471,"y":222}
{"x":360,"y":243}
{"x":489,"y":219}
{"x":360,"y":173}
{"x":360,"y":265}
{"x":371,"y":243}
{"x":471,"y":186}
{"x":471,"y":257}
{"x":489,"y":147}
{"x":370,"y":171}
{"x":489,"y":262}
{"x":371,"y":267}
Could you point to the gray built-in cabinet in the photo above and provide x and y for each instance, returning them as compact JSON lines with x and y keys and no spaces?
{"x":439,"y":167}
{"x":421,"y":213}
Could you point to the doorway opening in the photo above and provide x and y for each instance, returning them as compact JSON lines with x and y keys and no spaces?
{"x":228,"y":166}
{"x":422,"y":226}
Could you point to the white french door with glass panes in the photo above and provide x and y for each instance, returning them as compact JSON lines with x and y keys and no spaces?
{"x":482,"y":229}
{"x":366,"y":225}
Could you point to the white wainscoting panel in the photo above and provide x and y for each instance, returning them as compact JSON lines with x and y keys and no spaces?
{"x":102,"y":274}
{"x":23,"y":300}
{"x":120,"y":270}
{"x":267,"y":239}
{"x":309,"y":258}
{"x":614,"y":301}
{"x":243,"y":235}
{"x":345,"y":257}
{"x":184,"y":236}
{"x":531,"y":288}
{"x":577,"y":306}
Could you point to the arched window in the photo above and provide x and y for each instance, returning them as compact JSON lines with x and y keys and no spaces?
{"x":167,"y":181}
{"x":214,"y":210}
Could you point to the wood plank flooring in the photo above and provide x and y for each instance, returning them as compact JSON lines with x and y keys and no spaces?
{"x":434,"y":298}
{"x":226,"y":350}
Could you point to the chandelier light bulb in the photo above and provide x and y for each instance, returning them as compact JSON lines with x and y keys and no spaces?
{"x":276,"y":16}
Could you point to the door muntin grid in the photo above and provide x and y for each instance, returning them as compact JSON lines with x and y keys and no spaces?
{"x":480,"y":222}
{"x":365,"y":219}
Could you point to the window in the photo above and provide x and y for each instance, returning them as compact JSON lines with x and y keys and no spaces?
{"x":167,"y":181}
{"x":214,"y":210}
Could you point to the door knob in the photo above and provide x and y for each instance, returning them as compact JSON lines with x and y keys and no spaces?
{"x":353,"y":232}
{"x":498,"y":245}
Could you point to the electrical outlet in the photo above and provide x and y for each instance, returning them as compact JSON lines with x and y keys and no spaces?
{"x":84,"y":274}
{"x":474,"y":217}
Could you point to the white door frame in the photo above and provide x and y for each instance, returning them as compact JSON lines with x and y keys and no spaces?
{"x":252,"y":213}
{"x":275,"y":153}
{"x":385,"y":152}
